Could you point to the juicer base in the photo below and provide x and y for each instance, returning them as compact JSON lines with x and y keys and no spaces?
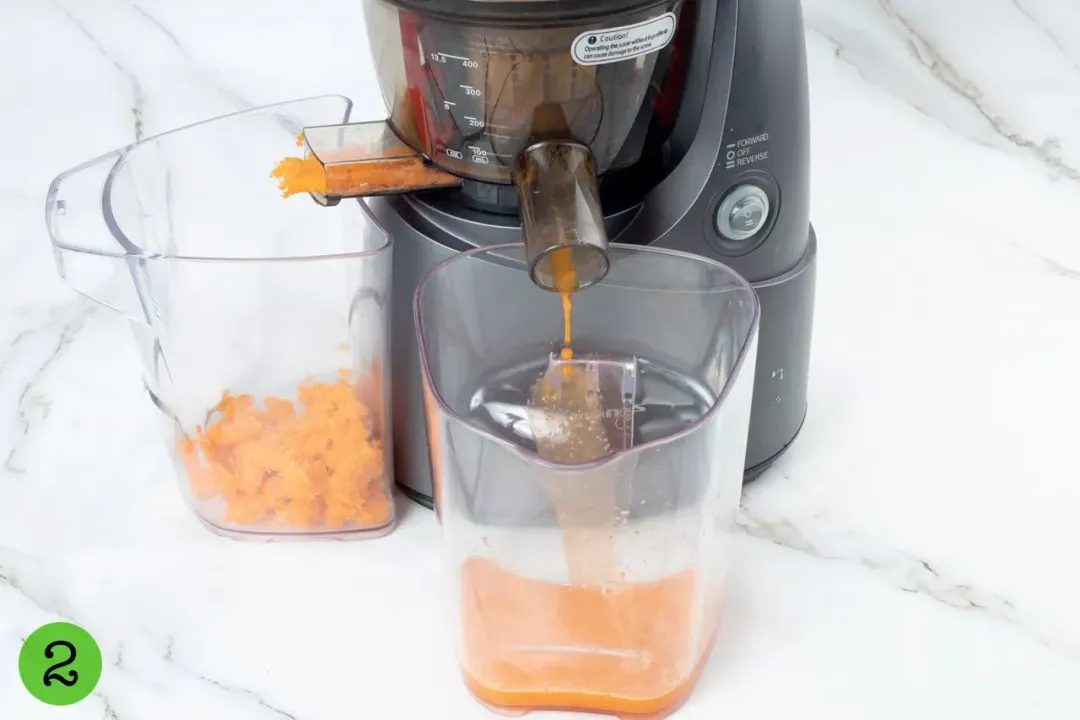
{"x":782,"y":374}
{"x":416,"y":497}
{"x":782,"y":370}
{"x":753,"y":473}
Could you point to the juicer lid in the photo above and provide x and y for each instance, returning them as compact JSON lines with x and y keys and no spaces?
{"x":528,"y":12}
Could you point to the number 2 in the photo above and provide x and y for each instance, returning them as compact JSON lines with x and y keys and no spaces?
{"x":50,"y":672}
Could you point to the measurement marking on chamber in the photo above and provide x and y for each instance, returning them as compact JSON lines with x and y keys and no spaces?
{"x":441,"y":58}
{"x":479,"y":155}
{"x":447,"y":102}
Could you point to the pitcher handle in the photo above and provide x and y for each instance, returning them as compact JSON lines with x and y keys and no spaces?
{"x":88,"y":255}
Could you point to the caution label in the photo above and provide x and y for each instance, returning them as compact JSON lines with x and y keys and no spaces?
{"x":599,"y":47}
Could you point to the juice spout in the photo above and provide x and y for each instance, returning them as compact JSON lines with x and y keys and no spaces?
{"x":562,"y":222}
{"x":357,"y":160}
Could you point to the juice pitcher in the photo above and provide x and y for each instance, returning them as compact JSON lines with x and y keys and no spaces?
{"x":588,"y":454}
{"x":262,"y":323}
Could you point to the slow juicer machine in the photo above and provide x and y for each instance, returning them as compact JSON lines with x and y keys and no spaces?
{"x":681,"y":124}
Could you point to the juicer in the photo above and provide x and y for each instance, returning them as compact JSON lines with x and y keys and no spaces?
{"x":678,"y":124}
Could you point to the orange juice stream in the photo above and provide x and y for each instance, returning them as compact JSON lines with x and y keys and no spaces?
{"x":564,"y":278}
{"x":586,"y":513}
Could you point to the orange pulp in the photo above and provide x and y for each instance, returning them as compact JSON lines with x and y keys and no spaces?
{"x":629,"y":649}
{"x":357,"y":171}
{"x":314,"y":464}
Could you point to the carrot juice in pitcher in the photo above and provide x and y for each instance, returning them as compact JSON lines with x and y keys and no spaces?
{"x":589,"y":446}
{"x":631,"y":649}
{"x":597,"y":641}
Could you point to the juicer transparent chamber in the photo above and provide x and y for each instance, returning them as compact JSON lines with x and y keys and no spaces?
{"x":261,"y":322}
{"x":472,"y":84}
{"x":542,"y":96}
{"x":592,"y":585}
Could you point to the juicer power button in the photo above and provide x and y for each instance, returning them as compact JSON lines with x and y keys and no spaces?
{"x":742,"y":213}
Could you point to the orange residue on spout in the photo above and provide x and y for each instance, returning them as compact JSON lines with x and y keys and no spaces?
{"x":317,"y":462}
{"x":300,"y":175}
{"x":356,"y":172}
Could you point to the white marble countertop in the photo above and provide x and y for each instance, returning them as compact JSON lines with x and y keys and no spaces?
{"x":915,"y":555}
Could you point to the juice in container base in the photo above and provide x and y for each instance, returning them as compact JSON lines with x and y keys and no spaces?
{"x":630,"y":650}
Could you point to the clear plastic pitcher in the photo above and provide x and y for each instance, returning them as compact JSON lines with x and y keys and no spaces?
{"x":262,"y":322}
{"x":588,"y":539}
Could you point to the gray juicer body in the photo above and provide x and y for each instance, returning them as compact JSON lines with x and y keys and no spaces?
{"x":740,"y":194}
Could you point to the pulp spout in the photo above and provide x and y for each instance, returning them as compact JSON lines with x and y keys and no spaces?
{"x":357,"y":160}
{"x":561,"y":218}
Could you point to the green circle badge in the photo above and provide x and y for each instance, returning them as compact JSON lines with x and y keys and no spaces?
{"x":60,"y":663}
